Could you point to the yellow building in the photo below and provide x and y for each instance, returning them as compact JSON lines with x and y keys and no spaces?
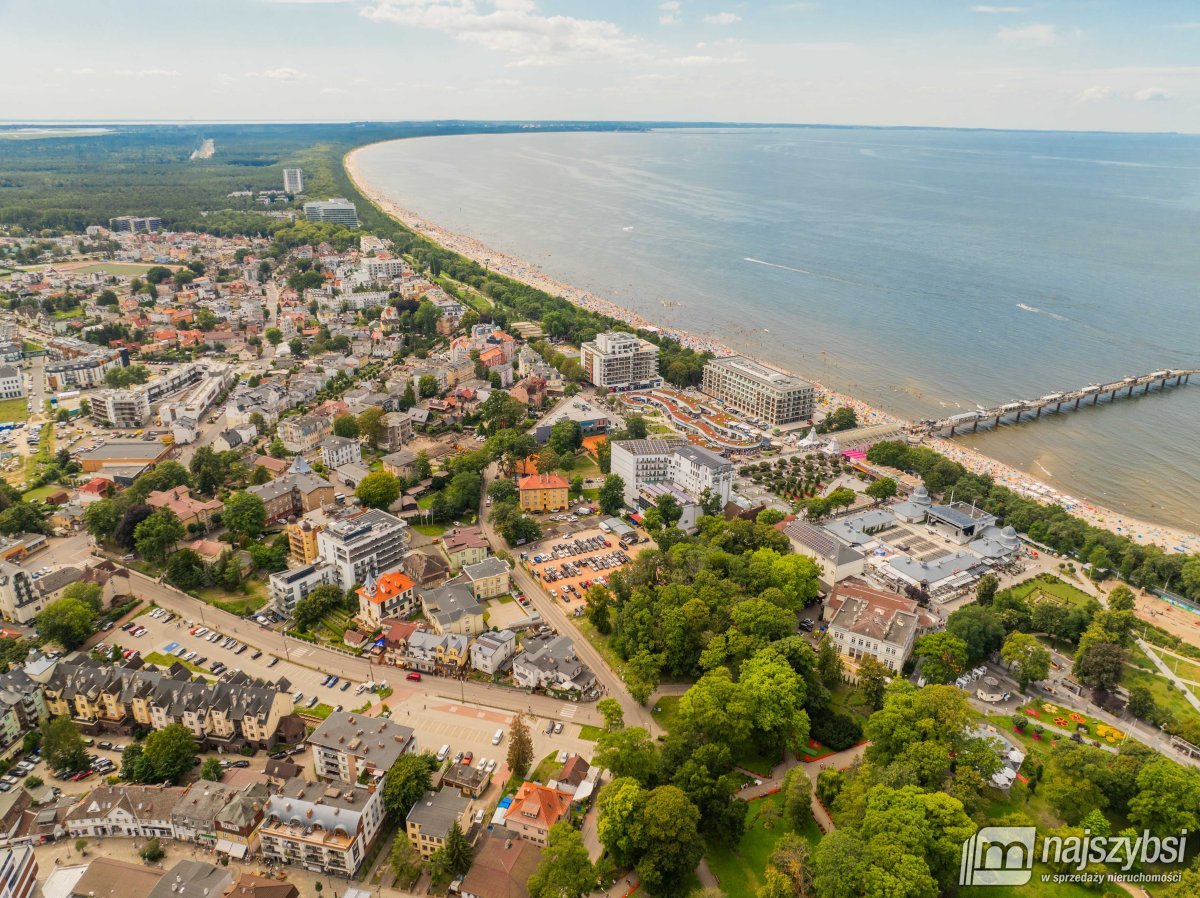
{"x":489,"y":578}
{"x":543,"y":492}
{"x":302,"y":541}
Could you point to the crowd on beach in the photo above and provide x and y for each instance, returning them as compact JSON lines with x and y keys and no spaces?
{"x":1142,"y":532}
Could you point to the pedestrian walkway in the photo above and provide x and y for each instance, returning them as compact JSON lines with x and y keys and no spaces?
{"x":1169,"y":674}
{"x":568,"y":711}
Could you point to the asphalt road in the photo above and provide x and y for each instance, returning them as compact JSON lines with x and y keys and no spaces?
{"x":552,"y":613}
{"x":325,"y":661}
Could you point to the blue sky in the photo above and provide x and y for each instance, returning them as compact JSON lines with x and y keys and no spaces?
{"x":1069,"y":64}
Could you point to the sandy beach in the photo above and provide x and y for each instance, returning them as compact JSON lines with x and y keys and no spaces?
{"x":1145,"y":533}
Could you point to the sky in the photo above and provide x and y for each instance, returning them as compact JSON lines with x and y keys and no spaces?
{"x":1118,"y":65}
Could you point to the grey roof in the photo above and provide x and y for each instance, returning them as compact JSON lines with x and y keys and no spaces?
{"x":58,"y":578}
{"x":994,"y":542}
{"x":192,"y":879}
{"x":493,"y":641}
{"x":821,"y":542}
{"x":554,"y":654}
{"x":449,"y":602}
{"x":858,"y":529}
{"x":400,"y":458}
{"x":337,"y":442}
{"x":273,"y":489}
{"x":960,"y":514}
{"x":653,"y":446}
{"x":353,"y":530}
{"x":332,"y":806}
{"x":489,"y":567}
{"x":374,"y":739}
{"x":934,"y":571}
{"x":700,"y":456}
{"x":202,"y":801}
{"x":437,"y":811}
{"x":149,"y":450}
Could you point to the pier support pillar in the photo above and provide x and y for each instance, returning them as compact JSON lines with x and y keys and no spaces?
{"x":952,"y":426}
{"x":1037,"y":413}
{"x":975,"y":426}
{"x":1077,"y":398}
{"x":1130,"y":393}
{"x":997,"y":424}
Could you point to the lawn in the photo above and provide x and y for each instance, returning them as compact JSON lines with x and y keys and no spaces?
{"x":117,"y":268}
{"x":757,"y":763}
{"x":1055,"y":588}
{"x":505,"y":599}
{"x":430,"y":529}
{"x":589,"y":732}
{"x":30,"y":346}
{"x":1164,"y":692}
{"x":15,"y":410}
{"x":64,"y":314}
{"x":236,"y":603}
{"x":545,"y":769}
{"x":319,"y":711}
{"x":848,"y":699}
{"x":740,"y":870}
{"x":42,"y":492}
{"x":666,"y":711}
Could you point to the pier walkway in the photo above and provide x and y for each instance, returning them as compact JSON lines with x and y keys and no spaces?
{"x":1012,"y":412}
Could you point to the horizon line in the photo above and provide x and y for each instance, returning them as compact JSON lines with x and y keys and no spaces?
{"x":646,"y":123}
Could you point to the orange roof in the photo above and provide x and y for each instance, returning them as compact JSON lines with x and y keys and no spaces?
{"x":543,"y":482}
{"x":538,"y":805}
{"x":388,"y":585}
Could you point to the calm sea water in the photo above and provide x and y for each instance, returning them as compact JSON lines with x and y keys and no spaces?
{"x":923,"y":271}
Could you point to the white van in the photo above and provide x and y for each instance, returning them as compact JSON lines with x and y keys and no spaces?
{"x":498,"y":737}
{"x":443,"y":753}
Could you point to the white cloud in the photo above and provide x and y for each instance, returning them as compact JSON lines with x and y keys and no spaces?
{"x":283,"y":73}
{"x":1151,"y":95}
{"x":513,"y":27}
{"x":698,"y":60}
{"x":722,"y":18}
{"x":998,"y":10}
{"x":1097,"y":93}
{"x":86,"y":70}
{"x":1036,"y":35}
{"x":670,"y":6}
{"x":148,"y":73}
{"x":332,"y":91}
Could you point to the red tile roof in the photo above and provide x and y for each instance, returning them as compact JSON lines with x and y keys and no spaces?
{"x":543,"y":482}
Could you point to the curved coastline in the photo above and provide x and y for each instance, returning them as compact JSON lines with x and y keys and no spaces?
{"x":1143,"y":532}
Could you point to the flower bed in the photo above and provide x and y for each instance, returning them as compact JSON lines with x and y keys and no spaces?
{"x":814,"y":751}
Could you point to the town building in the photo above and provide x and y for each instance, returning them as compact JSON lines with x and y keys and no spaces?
{"x":237,"y":823}
{"x":108,"y":877}
{"x":452,"y":608}
{"x":425,"y":568}
{"x":398,"y":430}
{"x":550,"y":662}
{"x":135,"y":224}
{"x":325,"y":827}
{"x":103,"y":698}
{"x":19,"y":600}
{"x":345,"y":746}
{"x":620,"y":361}
{"x":295,"y":493}
{"x":534,"y":809}
{"x":18,"y":872}
{"x":286,"y":588}
{"x":194,"y":816}
{"x":429,"y":822}
{"x":249,"y":885}
{"x":302,"y":540}
{"x":591,"y":418}
{"x":864,"y":621}
{"x":673,"y":461}
{"x":758,"y":391}
{"x":192,"y":879}
{"x":836,"y":560}
{"x":488,"y":578}
{"x":389,"y":595}
{"x":440,"y":653}
{"x":959,"y":521}
{"x":491,"y":651}
{"x":338,"y":451}
{"x":338,"y":210}
{"x":188,"y":509}
{"x":464,"y":545}
{"x":543,"y":492}
{"x":142,"y":812}
{"x":124,"y":454}
{"x":12,"y":382}
{"x":302,"y":434}
{"x":501,"y":868}
{"x":372,"y":542}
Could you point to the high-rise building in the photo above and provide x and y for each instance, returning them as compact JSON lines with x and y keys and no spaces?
{"x":692,"y":469}
{"x":373,"y":542}
{"x":620,"y":361}
{"x":293,"y":180}
{"x":18,"y":872}
{"x":337,"y":210}
{"x":758,"y":391}
{"x":135,"y":224}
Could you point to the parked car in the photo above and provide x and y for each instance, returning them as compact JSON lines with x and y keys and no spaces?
{"x":414,"y":676}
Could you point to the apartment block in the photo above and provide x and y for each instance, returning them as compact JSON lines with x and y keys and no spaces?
{"x":373,"y":542}
{"x":345,"y":746}
{"x":324,"y":827}
{"x":758,"y":391}
{"x":619,"y":361}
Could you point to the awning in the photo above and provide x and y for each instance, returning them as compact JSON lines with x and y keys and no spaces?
{"x":233,"y":849}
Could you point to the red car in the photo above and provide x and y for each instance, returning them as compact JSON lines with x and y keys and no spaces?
{"x":468,"y":758}
{"x":414,"y":676}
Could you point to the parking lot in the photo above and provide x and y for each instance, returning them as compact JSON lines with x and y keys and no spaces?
{"x":567,"y":566}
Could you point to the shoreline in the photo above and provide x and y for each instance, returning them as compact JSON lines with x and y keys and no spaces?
{"x":1170,"y":539}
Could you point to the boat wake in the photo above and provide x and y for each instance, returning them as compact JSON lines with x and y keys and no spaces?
{"x":1035,"y":310}
{"x":816,"y":274}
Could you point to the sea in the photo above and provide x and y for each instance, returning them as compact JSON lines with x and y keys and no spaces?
{"x":923,"y":271}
